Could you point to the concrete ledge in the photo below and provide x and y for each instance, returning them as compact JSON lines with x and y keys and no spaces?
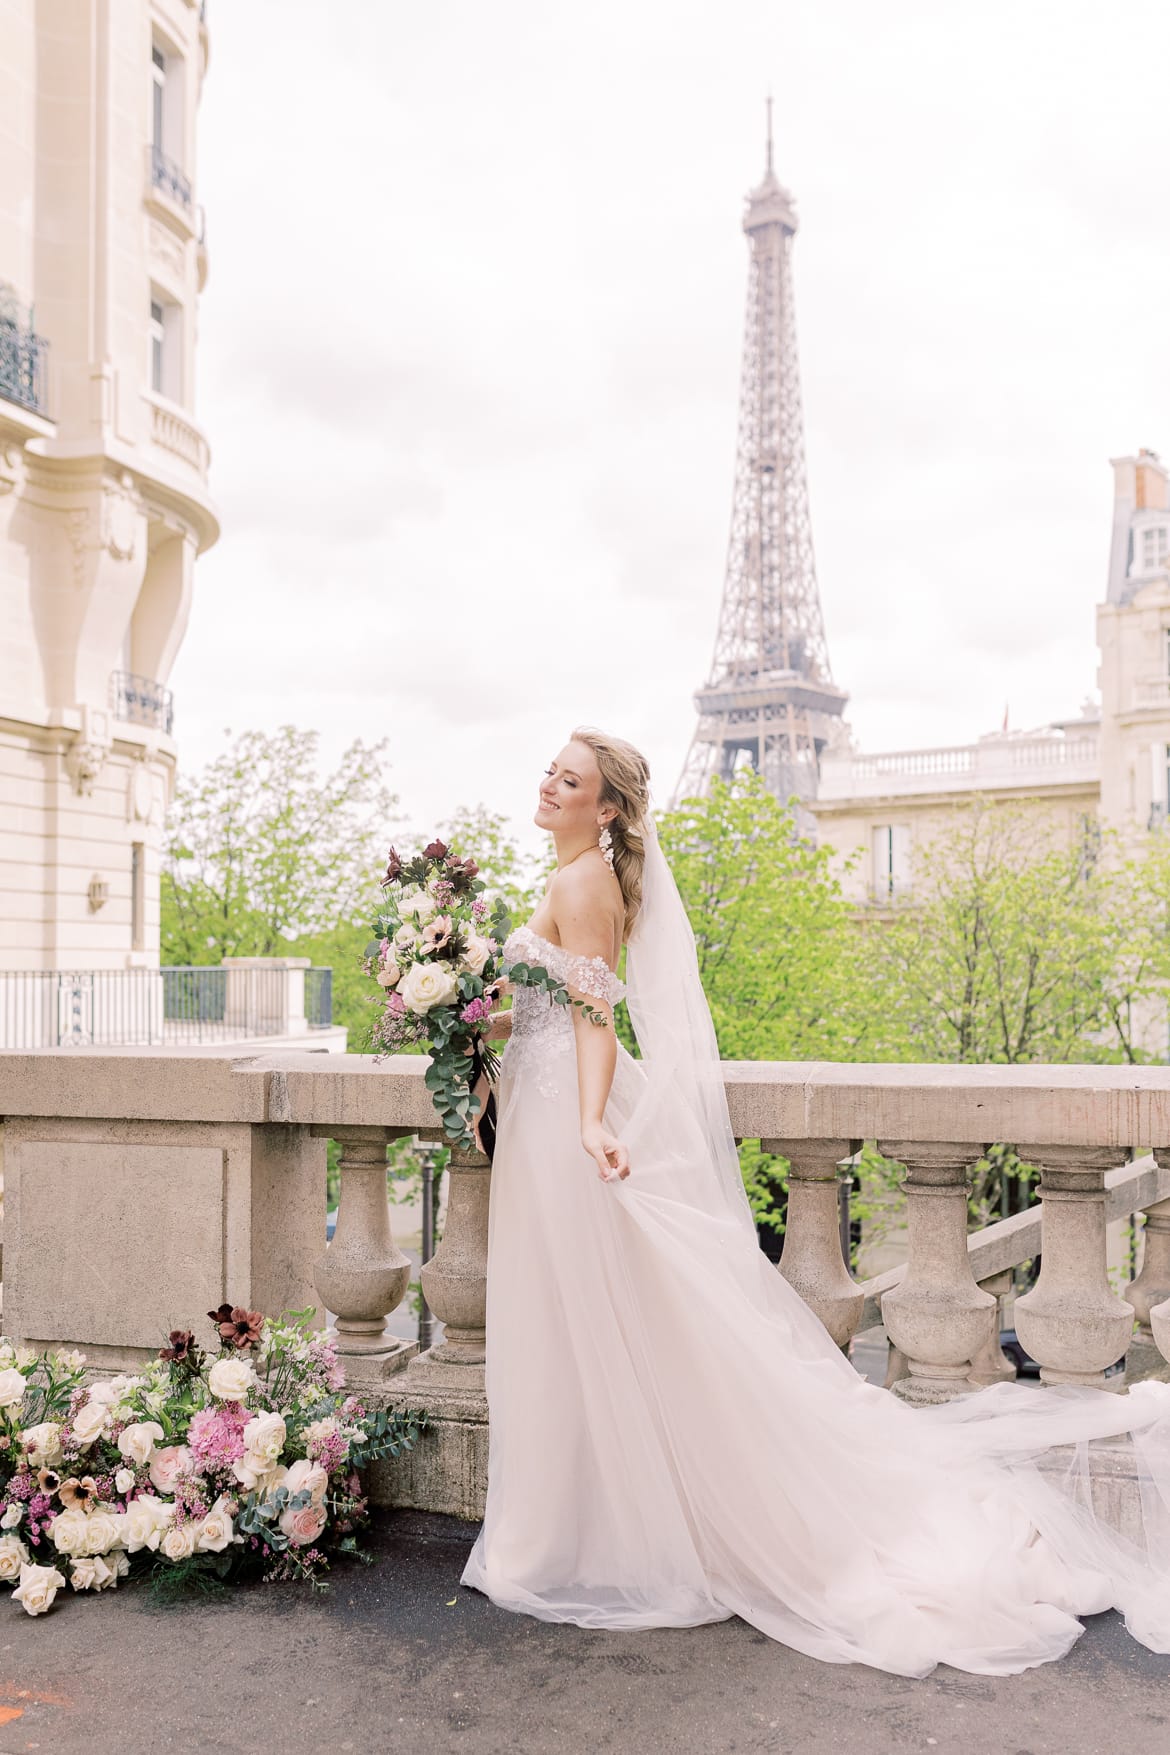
{"x":1123,"y":1107}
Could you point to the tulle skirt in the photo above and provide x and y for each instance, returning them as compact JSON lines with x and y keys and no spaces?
{"x":675,"y":1439}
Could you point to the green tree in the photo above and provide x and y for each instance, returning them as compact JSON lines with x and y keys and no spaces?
{"x":261,"y":852}
{"x":1011,"y":949}
{"x":782,"y":960}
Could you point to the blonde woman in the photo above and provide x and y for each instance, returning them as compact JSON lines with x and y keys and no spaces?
{"x":674,"y":1437}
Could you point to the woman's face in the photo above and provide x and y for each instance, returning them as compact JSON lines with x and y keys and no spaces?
{"x":570,"y":794}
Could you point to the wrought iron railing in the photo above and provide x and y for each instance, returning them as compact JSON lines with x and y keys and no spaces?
{"x":109,"y":1008}
{"x":141,"y":701}
{"x":23,"y":361}
{"x":166,"y":175}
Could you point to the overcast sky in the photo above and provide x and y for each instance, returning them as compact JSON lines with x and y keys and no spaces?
{"x":469,"y":358}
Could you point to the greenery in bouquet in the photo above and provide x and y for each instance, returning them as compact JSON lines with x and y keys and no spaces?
{"x":438,"y":952}
{"x":204,"y":1466}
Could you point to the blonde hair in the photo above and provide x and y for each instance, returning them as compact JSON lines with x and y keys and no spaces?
{"x":625,"y":783}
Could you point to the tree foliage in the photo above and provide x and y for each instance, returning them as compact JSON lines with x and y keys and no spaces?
{"x":262,"y":852}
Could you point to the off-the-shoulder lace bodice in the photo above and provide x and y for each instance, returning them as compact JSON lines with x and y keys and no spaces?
{"x":542,"y":1031}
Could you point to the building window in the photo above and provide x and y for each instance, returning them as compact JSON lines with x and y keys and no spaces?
{"x":1155,"y":547}
{"x":138,"y":896}
{"x":891,"y":861}
{"x":158,"y":72}
{"x":165,"y":357}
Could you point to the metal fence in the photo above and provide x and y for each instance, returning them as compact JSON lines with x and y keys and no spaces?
{"x":23,"y":364}
{"x":110,"y":1008}
{"x":142,"y":701}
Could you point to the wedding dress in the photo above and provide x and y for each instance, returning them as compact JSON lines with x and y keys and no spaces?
{"x":674,"y":1437}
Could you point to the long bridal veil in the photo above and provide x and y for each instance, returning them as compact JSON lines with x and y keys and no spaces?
{"x":819,"y":1507}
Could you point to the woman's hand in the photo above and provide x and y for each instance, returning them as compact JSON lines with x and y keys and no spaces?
{"x":608,"y":1153}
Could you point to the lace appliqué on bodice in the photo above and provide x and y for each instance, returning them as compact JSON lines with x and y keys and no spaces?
{"x":542,"y":1031}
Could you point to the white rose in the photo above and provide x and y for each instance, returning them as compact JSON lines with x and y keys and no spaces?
{"x":91,"y":1573}
{"x":179,"y":1544}
{"x":264,"y":1437}
{"x":230,"y":1379}
{"x":103,"y":1531}
{"x":145,"y":1521}
{"x":12,"y":1517}
{"x":13,"y":1555}
{"x":216,"y":1531}
{"x":406,"y":938}
{"x":11,"y":1388}
{"x":42,"y":1445}
{"x":137,"y":1442}
{"x":69,"y":1532}
{"x":123,"y":1481}
{"x":307,"y":1475}
{"x":37,"y":1588}
{"x":428,"y":985}
{"x":389,"y":974}
{"x":417,"y":906}
{"x":476,"y":954}
{"x":110,"y":1390}
{"x":90,"y":1423}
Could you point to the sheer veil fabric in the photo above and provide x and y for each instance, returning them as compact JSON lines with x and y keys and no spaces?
{"x":674,"y":1437}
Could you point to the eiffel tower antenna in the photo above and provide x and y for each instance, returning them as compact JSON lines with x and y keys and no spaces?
{"x":769,"y":699}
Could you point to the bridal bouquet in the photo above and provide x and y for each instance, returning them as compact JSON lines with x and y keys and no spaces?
{"x":438,"y":951}
{"x":246,"y":1460}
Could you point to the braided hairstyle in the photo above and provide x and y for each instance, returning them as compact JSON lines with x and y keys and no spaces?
{"x":625,"y":784}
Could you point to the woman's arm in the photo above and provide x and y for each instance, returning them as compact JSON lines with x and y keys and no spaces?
{"x":584,"y":915}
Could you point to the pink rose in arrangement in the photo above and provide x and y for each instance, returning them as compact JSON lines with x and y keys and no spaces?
{"x":303,"y":1525}
{"x":168,"y":1467}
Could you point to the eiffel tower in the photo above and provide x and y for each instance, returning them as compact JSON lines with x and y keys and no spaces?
{"x":770,"y":699}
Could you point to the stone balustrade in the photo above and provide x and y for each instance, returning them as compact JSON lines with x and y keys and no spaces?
{"x":142,"y":1190}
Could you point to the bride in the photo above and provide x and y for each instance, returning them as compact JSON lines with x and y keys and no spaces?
{"x":674,"y":1437}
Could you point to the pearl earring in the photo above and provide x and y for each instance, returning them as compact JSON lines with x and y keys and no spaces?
{"x":605,"y":842}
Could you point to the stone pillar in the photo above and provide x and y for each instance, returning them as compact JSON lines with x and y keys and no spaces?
{"x":1150,"y":1292}
{"x":991,"y":1364}
{"x":1071,"y":1323}
{"x":447,"y":1469}
{"x":363,"y":1275}
{"x":811,"y":1261}
{"x":937,"y":1316}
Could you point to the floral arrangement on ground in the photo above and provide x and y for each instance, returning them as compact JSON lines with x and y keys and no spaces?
{"x":205,"y":1467}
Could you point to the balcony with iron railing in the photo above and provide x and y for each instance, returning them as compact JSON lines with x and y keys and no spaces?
{"x":166,"y":176}
{"x":139,"y":700}
{"x":23,"y":359}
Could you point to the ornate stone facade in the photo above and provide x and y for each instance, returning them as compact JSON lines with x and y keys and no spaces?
{"x":104,"y":503}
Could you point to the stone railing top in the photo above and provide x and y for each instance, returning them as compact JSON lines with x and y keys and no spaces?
{"x":1126,"y":1107}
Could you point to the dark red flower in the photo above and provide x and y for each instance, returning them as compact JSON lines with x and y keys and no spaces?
{"x":182,"y":1349}
{"x":393,"y":868}
{"x":239,"y":1327}
{"x":436,"y":850}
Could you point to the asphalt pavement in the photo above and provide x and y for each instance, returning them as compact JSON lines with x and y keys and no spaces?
{"x":398,"y":1656}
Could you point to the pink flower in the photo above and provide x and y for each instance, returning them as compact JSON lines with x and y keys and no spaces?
{"x":304,"y":1525}
{"x":168,"y":1467}
{"x":476,"y":1010}
{"x":396,"y":1005}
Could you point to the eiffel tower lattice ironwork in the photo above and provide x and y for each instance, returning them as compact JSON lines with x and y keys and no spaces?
{"x":770,"y":698}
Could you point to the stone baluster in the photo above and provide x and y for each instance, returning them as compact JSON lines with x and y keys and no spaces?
{"x":1150,"y":1292}
{"x":447,"y":1470}
{"x":991,"y":1364}
{"x":363,"y":1275}
{"x":1071,"y":1323}
{"x":937,"y":1316}
{"x":811,"y":1260}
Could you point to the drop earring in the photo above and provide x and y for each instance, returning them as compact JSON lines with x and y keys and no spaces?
{"x":605,"y":842}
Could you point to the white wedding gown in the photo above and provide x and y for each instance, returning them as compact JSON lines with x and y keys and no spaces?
{"x":675,"y":1439}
